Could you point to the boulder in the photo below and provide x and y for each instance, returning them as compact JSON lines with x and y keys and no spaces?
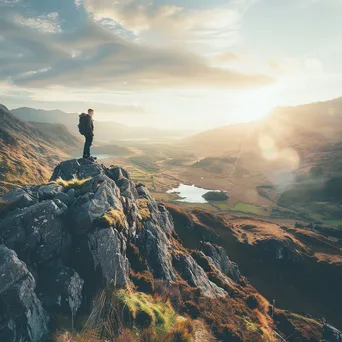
{"x":103,"y":195}
{"x":331,"y":334}
{"x":37,"y":233}
{"x":122,"y":179}
{"x":154,"y":244}
{"x":60,"y":290}
{"x":100,"y":259}
{"x":49,"y":191}
{"x":77,"y":168}
{"x":195,"y":275}
{"x":19,"y":198}
{"x":22,"y":317}
{"x":218,"y":256}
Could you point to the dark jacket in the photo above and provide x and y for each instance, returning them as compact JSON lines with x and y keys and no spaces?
{"x":88,"y":125}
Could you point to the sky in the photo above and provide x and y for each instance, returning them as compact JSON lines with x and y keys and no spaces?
{"x":194,"y":64}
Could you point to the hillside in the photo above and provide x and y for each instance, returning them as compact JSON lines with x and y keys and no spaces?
{"x":99,"y":257}
{"x":299,"y":268}
{"x":106,"y":132}
{"x":27,"y":153}
{"x":59,"y":135}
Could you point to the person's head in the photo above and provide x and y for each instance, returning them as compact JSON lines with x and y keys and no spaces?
{"x":91,"y":112}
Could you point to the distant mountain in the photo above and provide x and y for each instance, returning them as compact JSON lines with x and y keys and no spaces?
{"x":105,"y":131}
{"x":287,"y":133}
{"x":27,"y":153}
{"x":313,"y":124}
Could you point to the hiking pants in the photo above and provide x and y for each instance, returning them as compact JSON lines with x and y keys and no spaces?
{"x":88,"y":143}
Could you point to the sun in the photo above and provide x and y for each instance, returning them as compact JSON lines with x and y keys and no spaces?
{"x":257,"y":104}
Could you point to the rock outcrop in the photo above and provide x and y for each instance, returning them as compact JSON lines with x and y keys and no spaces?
{"x":63,"y":242}
{"x":89,"y":229}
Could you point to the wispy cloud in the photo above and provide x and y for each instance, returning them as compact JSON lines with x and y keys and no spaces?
{"x":93,"y":56}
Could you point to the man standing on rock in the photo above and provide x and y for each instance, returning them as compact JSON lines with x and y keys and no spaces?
{"x":86,"y":128}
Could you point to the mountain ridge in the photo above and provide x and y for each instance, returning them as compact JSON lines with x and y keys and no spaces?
{"x":27,"y":152}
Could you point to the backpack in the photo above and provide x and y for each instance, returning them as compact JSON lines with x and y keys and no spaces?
{"x":82,"y":125}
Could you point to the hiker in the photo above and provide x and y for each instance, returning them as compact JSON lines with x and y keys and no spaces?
{"x":86,"y":128}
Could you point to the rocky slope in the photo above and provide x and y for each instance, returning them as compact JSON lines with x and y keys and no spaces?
{"x":298,"y":267}
{"x":28,"y":153}
{"x":92,"y":229}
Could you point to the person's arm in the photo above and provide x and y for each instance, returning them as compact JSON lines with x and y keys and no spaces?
{"x":89,"y":126}
{"x":92,"y":126}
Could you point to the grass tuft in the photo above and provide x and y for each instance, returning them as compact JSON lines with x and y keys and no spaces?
{"x":147,"y":312}
{"x":144,"y":209}
{"x":74,"y":183}
{"x":112,"y":218}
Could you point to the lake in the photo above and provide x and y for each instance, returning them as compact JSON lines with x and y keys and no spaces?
{"x":189,"y":193}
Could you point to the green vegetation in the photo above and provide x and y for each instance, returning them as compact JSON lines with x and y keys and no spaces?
{"x":248,"y":208}
{"x":74,"y":183}
{"x":216,"y":196}
{"x":144,"y":209}
{"x":146,"y":312}
{"x":337,"y":223}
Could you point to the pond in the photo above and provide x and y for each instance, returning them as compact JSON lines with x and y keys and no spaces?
{"x":189,"y":193}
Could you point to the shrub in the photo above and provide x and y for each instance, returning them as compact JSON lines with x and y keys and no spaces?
{"x":182,"y":331}
{"x":191,"y":309}
{"x":144,"y":209}
{"x":143,"y":319}
{"x":216,"y":196}
{"x":203,"y":261}
{"x":137,"y":261}
{"x":253,"y":302}
{"x":227,"y":332}
{"x":143,"y":281}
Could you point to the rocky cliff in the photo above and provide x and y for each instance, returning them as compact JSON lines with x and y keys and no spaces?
{"x":92,"y":228}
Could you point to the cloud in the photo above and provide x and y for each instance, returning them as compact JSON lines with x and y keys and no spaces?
{"x":37,"y":53}
{"x":78,"y":3}
{"x":158,"y":21}
{"x":45,"y":23}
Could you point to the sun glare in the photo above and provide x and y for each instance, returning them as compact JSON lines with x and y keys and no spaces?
{"x":258,"y":104}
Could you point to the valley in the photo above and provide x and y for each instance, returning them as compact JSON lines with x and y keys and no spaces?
{"x":282,"y":221}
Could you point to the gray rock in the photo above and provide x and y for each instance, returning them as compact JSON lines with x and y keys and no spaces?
{"x":86,"y":209}
{"x":18,"y":198}
{"x":100,"y":259}
{"x":218,"y":256}
{"x":22,"y":316}
{"x":61,"y":291}
{"x":122,"y":179}
{"x":49,"y":191}
{"x":71,"y":193}
{"x":166,"y":219}
{"x":64,"y":198}
{"x":331,"y":334}
{"x":81,"y":169}
{"x":37,"y":233}
{"x":155,"y":245}
{"x":195,"y":275}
